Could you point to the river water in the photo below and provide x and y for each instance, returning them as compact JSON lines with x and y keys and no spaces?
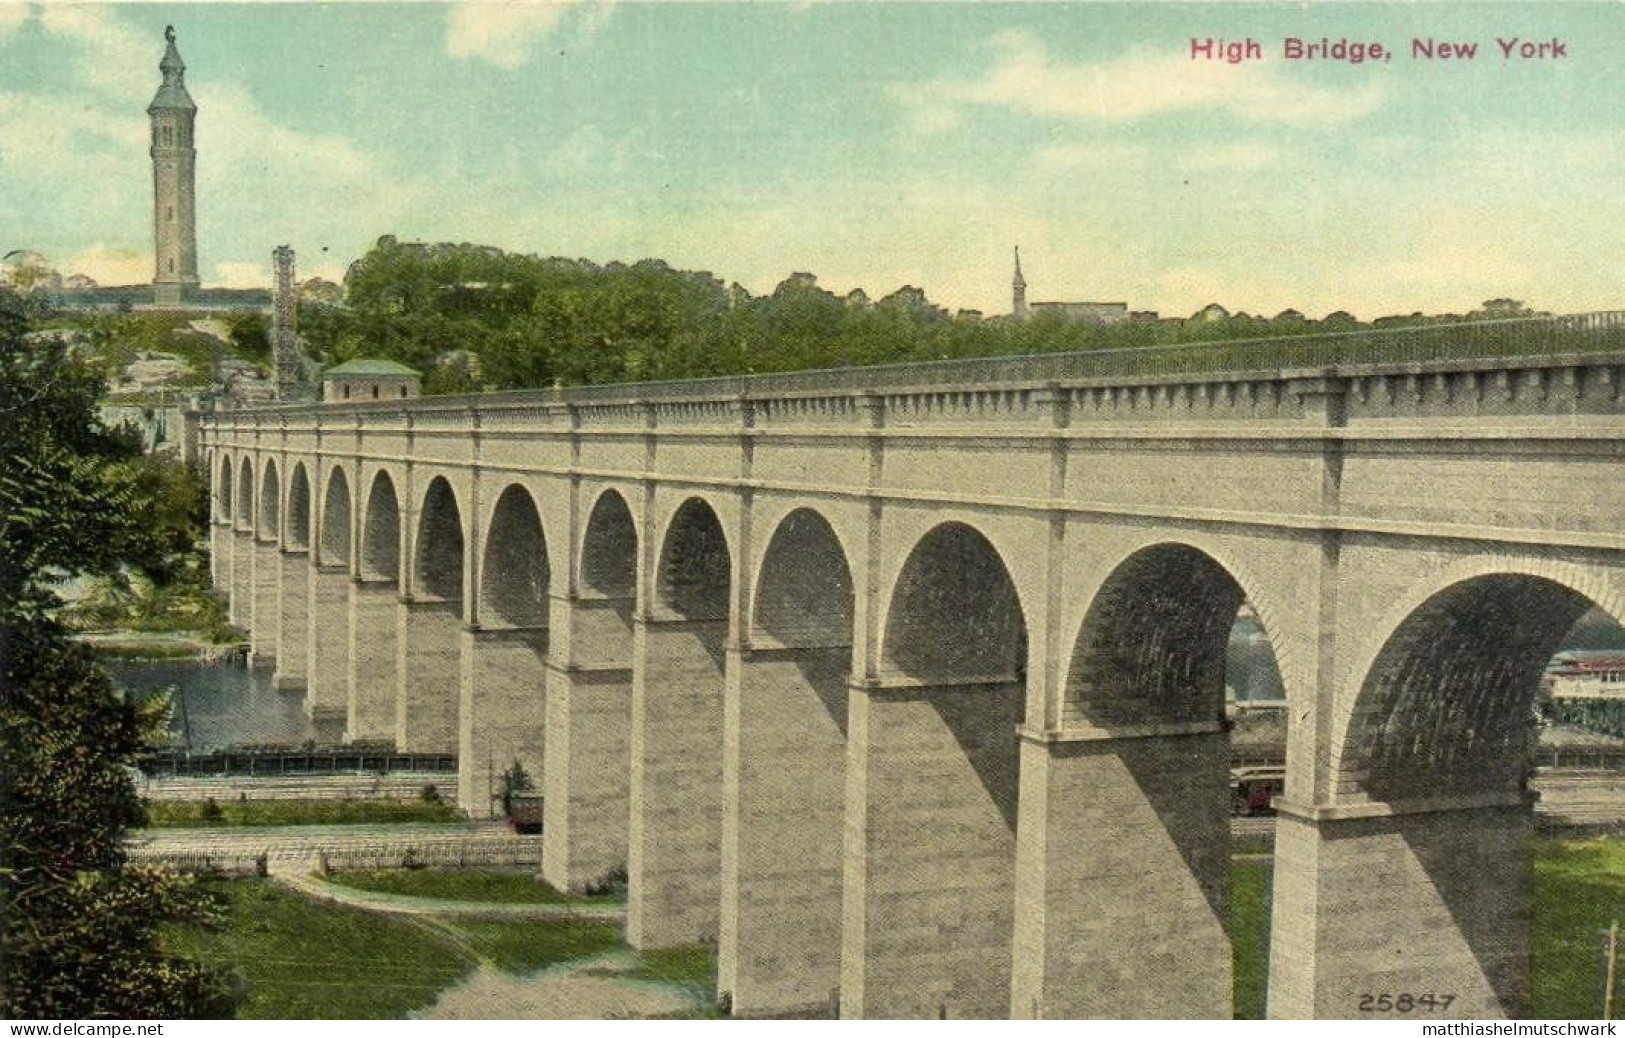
{"x":217,"y":705}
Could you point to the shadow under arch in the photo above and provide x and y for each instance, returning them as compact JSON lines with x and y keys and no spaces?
{"x":299,"y":507}
{"x":223,"y":488}
{"x":270,"y":510}
{"x":381,"y":532}
{"x":694,"y":576}
{"x":804,"y":603}
{"x":336,"y":520}
{"x":955,"y":620}
{"x":245,"y":495}
{"x":514,"y":572}
{"x":1149,"y":665}
{"x":940,"y":766}
{"x":1441,"y":735}
{"x":438,"y":554}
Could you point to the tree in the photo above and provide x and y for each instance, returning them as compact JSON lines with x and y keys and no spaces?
{"x":81,"y":926}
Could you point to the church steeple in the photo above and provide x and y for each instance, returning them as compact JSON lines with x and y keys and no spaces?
{"x":1018,"y":291}
{"x":174,"y":163}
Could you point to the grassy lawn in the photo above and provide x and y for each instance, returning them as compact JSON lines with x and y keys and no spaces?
{"x":525,"y":945}
{"x":495,"y":885}
{"x":170,"y":814}
{"x":1578,"y":887}
{"x":301,"y":960}
{"x":1249,"y":936}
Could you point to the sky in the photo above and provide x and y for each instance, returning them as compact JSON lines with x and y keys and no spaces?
{"x":874,"y":145}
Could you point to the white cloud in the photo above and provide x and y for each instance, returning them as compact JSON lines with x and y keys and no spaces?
{"x":1025,"y":78}
{"x":505,"y":33}
{"x":112,"y":56}
{"x":12,"y":17}
{"x":110,"y":264}
{"x":1245,"y":156}
{"x":1089,"y":158}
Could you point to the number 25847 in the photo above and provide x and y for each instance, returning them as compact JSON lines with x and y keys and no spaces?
{"x":1405,"y":1002}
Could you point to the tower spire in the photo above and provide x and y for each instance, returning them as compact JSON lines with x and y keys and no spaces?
{"x":1018,"y":291}
{"x":174,"y":162}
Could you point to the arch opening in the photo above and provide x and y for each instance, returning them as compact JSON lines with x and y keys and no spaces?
{"x":609,"y":550}
{"x":1449,"y":706}
{"x":299,"y":508}
{"x":955,"y":615}
{"x":438,"y":571}
{"x":381,"y":532}
{"x":514,"y":574}
{"x":270,"y":518}
{"x":693,"y":578}
{"x":245,"y":496}
{"x":222,"y":494}
{"x":335,"y":539}
{"x":804,"y":592}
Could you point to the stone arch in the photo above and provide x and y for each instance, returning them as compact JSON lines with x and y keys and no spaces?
{"x":803,"y":589}
{"x":299,"y":507}
{"x":1446,"y":705}
{"x":336,"y":519}
{"x":270,"y":511}
{"x":223,"y":488}
{"x":245,"y":495}
{"x":437,"y":570}
{"x":381,"y":532}
{"x":954,"y":612}
{"x":514,"y":573}
{"x":609,"y":549}
{"x":693,"y":578}
{"x":1152,"y":646}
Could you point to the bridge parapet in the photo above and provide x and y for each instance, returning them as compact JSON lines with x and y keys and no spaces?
{"x":1526,"y":367}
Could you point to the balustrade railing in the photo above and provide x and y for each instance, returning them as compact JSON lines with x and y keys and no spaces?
{"x":1464,"y":341}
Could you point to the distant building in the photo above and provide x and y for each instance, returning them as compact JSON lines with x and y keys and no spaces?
{"x":1082,"y":312}
{"x":174,"y":162}
{"x":366,"y":379}
{"x":1587,"y":675}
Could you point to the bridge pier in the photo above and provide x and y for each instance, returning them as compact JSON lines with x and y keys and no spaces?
{"x":501,"y":715}
{"x":1102,"y":815}
{"x":327,"y":642}
{"x":673,"y":852}
{"x":930,"y":850}
{"x":242,"y":578}
{"x":1421,"y":899}
{"x":371,"y":682}
{"x":784,"y":763}
{"x":265,"y":625}
{"x":428,"y":675}
{"x":292,"y":605}
{"x":220,"y":557}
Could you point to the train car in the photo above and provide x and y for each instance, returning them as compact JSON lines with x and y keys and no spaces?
{"x":1253,"y":789}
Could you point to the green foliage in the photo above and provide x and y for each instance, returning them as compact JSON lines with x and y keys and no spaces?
{"x":180,"y":814}
{"x":1579,"y":887}
{"x":1600,"y":715}
{"x":531,"y":322}
{"x":526,"y":945}
{"x":81,"y":929}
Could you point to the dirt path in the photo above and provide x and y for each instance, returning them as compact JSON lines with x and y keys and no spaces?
{"x":296,"y":876}
{"x":589,"y":989}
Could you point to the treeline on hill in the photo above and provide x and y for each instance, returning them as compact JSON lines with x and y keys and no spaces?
{"x":473,"y":317}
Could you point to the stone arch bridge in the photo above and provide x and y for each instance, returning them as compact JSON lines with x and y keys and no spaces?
{"x":905,"y":684}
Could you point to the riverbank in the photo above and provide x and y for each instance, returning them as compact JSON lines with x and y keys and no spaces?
{"x":151,"y":646}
